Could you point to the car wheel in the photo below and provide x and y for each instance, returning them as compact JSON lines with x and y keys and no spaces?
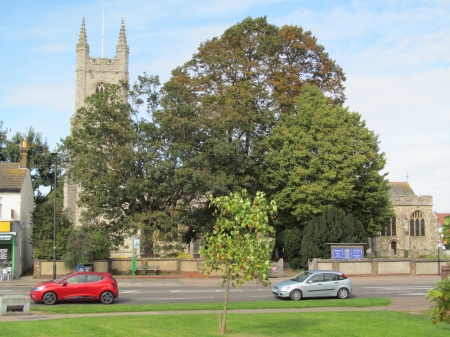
{"x":49,"y":298}
{"x":295,"y":295}
{"x":106,"y":297}
{"x":342,"y":293}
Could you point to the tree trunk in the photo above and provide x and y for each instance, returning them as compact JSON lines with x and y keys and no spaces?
{"x":223,"y":327}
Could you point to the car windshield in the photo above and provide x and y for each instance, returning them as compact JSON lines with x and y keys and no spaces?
{"x":56,"y":280}
{"x":302,"y":276}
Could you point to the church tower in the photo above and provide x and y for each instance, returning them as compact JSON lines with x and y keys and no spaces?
{"x":91,"y":76}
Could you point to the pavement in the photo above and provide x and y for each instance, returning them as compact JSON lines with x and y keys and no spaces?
{"x":410,"y":304}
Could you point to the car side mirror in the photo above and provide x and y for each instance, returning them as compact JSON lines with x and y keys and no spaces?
{"x":64,"y":283}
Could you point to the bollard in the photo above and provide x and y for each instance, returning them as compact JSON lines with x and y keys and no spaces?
{"x":14,"y":304}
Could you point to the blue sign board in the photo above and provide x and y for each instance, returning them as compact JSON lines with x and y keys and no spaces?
{"x":356,"y":253}
{"x":337,"y":253}
{"x":347,"y":253}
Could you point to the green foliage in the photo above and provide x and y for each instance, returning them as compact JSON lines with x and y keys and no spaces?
{"x":332,"y":226}
{"x":3,"y":141}
{"x":84,"y":246}
{"x":129,"y":180}
{"x":446,"y":232}
{"x":291,"y":241}
{"x":114,"y":271}
{"x":241,"y":243}
{"x":323,"y":155}
{"x":219,"y":106}
{"x":441,"y":296}
{"x":42,"y":234}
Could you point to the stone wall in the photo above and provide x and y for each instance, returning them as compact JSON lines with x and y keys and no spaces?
{"x":382,"y":267}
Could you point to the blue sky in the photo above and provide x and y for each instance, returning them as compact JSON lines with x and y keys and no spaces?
{"x":395,"y":54}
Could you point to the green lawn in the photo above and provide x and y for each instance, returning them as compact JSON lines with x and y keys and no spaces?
{"x":311,"y":324}
{"x":73,"y":308}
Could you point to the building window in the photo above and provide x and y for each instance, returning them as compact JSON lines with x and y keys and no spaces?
{"x":391,"y":228}
{"x":417,"y":224}
{"x":100,"y":87}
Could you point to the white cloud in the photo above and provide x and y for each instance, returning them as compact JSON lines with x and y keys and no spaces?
{"x":56,"y":98}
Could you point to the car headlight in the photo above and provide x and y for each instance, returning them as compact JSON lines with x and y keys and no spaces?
{"x":285,"y":288}
{"x":38,"y":288}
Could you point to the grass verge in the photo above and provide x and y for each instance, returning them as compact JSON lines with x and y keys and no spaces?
{"x":89,"y":308}
{"x":311,"y":324}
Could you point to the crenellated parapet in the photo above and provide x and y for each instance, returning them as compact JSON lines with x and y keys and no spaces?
{"x":104,"y":64}
{"x":412,"y":200}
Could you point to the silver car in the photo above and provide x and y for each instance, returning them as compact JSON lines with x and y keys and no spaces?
{"x":314,"y":283}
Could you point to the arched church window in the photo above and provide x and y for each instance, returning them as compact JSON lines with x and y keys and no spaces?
{"x":391,"y":228}
{"x":417,"y":224}
{"x":100,"y":87}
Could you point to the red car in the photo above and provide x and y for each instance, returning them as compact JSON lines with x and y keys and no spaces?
{"x":83,"y":285}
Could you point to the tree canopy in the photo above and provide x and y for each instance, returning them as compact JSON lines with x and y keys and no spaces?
{"x":128,"y":178}
{"x":324,"y":155}
{"x":218,"y":107}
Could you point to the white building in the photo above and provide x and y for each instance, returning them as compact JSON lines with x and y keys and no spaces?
{"x":16,"y":206}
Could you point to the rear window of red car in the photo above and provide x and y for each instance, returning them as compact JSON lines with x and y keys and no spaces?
{"x":94,"y":278}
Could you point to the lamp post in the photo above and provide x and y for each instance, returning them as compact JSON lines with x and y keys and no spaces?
{"x":55,"y":155}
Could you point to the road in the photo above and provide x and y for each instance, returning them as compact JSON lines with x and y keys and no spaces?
{"x":174,"y":293}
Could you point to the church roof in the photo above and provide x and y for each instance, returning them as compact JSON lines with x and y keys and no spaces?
{"x":441,"y":217}
{"x":400,"y":188}
{"x":11,"y":177}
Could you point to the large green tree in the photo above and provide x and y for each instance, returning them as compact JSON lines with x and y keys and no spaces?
{"x":241,"y":243}
{"x":117,"y":156}
{"x":218,"y":107}
{"x":324,"y":155}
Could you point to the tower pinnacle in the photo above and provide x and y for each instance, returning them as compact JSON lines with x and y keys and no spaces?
{"x":122,"y":44}
{"x":82,"y":41}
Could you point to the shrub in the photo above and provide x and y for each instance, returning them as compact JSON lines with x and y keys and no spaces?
{"x":441,"y":296}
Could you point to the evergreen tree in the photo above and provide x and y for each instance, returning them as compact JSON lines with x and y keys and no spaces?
{"x":332,"y":226}
{"x":324,"y":155}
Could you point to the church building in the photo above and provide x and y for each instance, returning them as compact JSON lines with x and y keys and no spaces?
{"x":414,"y":229}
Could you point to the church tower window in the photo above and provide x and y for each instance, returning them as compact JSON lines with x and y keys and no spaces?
{"x":417,"y":224}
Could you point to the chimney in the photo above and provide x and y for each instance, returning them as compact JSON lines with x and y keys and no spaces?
{"x":24,"y":156}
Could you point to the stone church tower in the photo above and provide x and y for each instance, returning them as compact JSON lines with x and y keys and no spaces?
{"x":91,"y":76}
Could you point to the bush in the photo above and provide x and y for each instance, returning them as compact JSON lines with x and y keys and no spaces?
{"x":441,"y":296}
{"x":84,"y":247}
{"x":296,"y":263}
{"x":114,"y":271}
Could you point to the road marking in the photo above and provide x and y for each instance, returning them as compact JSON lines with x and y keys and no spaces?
{"x":414,"y":294}
{"x":203,"y":291}
{"x":399,"y":288}
{"x":173,"y":298}
{"x":130,"y":291}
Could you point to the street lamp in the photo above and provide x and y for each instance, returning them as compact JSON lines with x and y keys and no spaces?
{"x":55,"y":155}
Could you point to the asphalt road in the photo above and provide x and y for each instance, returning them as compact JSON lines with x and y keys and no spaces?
{"x":181,"y":293}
